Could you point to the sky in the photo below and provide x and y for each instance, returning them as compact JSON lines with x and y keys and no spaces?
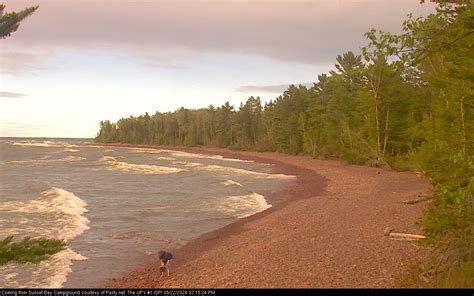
{"x":74,"y":63}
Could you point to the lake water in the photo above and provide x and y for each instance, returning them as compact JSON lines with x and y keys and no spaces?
{"x":116,"y":206}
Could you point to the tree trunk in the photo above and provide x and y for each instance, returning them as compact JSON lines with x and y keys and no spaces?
{"x":386,"y":131}
{"x":231,"y":138}
{"x":375,"y":83}
{"x":377,"y":121}
{"x":464,"y":140}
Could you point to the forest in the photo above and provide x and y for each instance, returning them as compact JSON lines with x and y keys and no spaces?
{"x":405,"y":102}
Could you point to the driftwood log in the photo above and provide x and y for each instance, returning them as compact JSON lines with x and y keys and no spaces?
{"x":402,"y":236}
{"x":406,"y":236}
{"x":416,"y":200}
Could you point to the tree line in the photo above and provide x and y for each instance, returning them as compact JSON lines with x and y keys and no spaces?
{"x":405,"y":101}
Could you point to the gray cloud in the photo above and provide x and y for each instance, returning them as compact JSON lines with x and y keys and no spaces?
{"x":5,"y":94}
{"x":279,"y":88}
{"x":308,"y":32}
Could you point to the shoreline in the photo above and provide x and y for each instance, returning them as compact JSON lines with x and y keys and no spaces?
{"x":338,"y":240}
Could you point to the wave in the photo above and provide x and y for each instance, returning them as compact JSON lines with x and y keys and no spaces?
{"x":60,"y":266}
{"x":49,"y":274}
{"x":147,"y":150}
{"x":236,"y":171}
{"x":242,"y":205}
{"x":231,"y":183}
{"x":144,"y":168}
{"x":71,"y":150}
{"x":62,"y":206}
{"x":107,"y":158}
{"x":42,"y":144}
{"x":231,"y":171}
{"x":56,"y":214}
{"x":164,"y":158}
{"x":237,"y":160}
{"x":138,"y":168}
{"x":73,"y":158}
{"x":187,"y":163}
{"x":44,"y":160}
{"x":204,"y":156}
{"x":188,"y":154}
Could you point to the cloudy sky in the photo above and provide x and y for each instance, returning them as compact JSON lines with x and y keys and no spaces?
{"x":76,"y":62}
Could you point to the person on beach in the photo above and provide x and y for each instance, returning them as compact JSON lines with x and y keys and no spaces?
{"x":165,"y":258}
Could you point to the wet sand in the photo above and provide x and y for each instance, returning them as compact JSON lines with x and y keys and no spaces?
{"x":325,"y":230}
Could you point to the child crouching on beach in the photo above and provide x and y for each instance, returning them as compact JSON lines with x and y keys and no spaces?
{"x":165,"y":267}
{"x":165,"y":258}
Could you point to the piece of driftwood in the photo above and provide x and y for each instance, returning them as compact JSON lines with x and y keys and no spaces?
{"x":405,"y":236}
{"x":416,"y":200}
{"x":387,"y":231}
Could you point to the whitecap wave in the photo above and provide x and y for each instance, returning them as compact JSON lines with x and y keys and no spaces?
{"x":44,"y":160}
{"x":146,"y":169}
{"x":47,"y":274}
{"x":108,"y":158}
{"x":230,"y":171}
{"x":43,"y":144}
{"x":205,"y":156}
{"x":146,"y":150}
{"x":164,"y":158}
{"x":56,"y":214}
{"x":73,"y":158}
{"x":183,"y":154}
{"x":241,"y":205}
{"x":63,"y":208}
{"x":59,"y":265}
{"x":187,"y":163}
{"x":231,"y":183}
{"x":71,"y":150}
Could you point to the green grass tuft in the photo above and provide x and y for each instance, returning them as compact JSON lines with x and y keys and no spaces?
{"x":29,"y":250}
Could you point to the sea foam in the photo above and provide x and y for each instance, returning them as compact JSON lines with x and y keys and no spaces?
{"x":204,"y":156}
{"x":71,"y":150}
{"x":231,"y":183}
{"x":63,"y":207}
{"x":241,"y":205}
{"x":56,"y":214}
{"x":138,"y":168}
{"x":42,"y":144}
{"x":230,"y":171}
{"x":164,"y":158}
{"x":45,"y":160}
{"x":183,"y":154}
